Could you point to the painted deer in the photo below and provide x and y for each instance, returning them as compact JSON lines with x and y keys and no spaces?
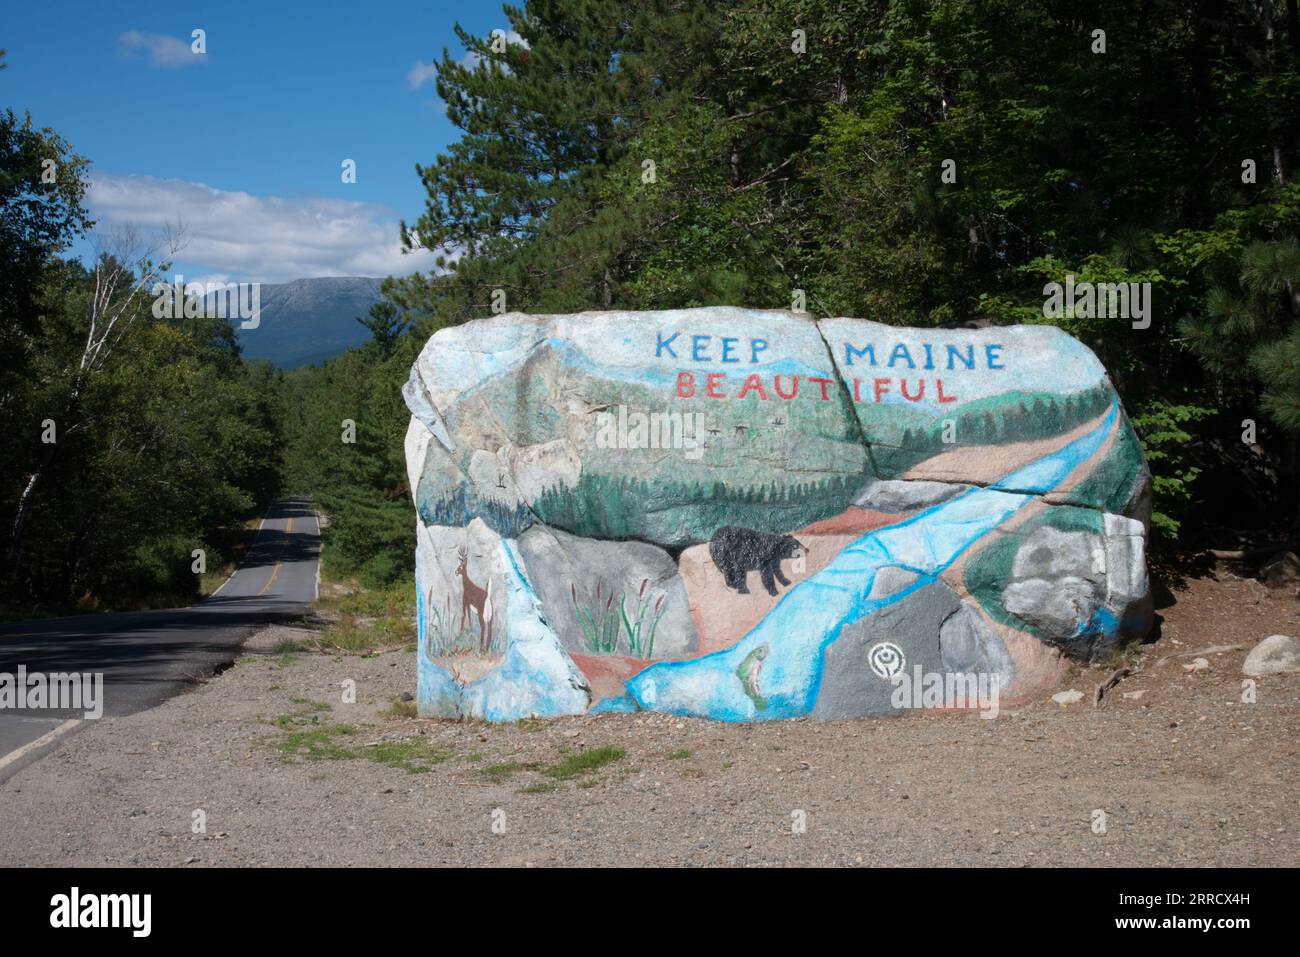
{"x":475,"y":598}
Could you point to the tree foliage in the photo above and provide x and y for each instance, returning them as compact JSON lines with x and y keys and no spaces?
{"x":346,"y":428}
{"x":800,"y":144}
{"x":128,"y":440}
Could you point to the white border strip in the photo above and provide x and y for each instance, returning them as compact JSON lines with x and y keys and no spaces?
{"x":14,"y":756}
{"x":256,"y":535}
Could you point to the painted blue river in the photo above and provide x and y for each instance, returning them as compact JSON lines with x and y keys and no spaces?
{"x":811,"y":615}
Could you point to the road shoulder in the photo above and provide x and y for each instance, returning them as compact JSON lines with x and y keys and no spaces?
{"x":286,"y":771}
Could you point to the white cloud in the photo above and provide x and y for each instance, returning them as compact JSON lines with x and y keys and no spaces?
{"x":472,"y":59}
{"x":162,"y":50}
{"x":421,"y":74}
{"x":259,"y":238}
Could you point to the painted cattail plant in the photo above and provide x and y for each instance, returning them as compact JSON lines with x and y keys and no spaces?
{"x":604,"y":626}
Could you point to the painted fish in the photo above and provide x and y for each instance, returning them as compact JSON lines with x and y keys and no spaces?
{"x":748,"y":672}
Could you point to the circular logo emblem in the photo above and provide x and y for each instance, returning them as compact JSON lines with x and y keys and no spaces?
{"x":886,"y":659}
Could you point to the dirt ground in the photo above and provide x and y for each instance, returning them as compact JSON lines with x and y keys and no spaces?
{"x":285,"y":773}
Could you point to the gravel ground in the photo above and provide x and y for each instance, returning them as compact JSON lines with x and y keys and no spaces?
{"x":1185,"y":773}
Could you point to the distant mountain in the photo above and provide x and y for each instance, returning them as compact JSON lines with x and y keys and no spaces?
{"x":309,"y":320}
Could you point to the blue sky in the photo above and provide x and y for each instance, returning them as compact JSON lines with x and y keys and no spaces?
{"x":245,"y":144}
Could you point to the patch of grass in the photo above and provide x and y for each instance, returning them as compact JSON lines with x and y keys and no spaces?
{"x":679,"y":755}
{"x":309,"y":740}
{"x":317,"y":743}
{"x":692,"y":772}
{"x":531,"y":724}
{"x":306,"y":714}
{"x":403,"y":709}
{"x":350,"y":637}
{"x":542,"y":787}
{"x":505,"y":771}
{"x":287,"y":650}
{"x":582,"y":762}
{"x":395,"y":600}
{"x":370,"y":619}
{"x":415,"y":755}
{"x":588,"y":782}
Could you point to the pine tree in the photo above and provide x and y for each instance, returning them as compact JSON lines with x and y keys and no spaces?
{"x":1252,"y":322}
{"x":385,"y":325}
{"x":548,"y":112}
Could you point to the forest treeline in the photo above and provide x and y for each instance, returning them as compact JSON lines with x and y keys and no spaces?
{"x":928,"y":164}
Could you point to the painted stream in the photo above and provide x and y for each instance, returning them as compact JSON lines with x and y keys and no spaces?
{"x":811,"y":615}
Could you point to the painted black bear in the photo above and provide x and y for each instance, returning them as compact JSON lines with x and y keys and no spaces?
{"x":737,"y":551}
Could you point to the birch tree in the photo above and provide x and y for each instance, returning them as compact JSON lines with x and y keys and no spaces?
{"x":127,"y":267}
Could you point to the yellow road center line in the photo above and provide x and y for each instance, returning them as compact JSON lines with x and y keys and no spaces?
{"x":274,"y":571}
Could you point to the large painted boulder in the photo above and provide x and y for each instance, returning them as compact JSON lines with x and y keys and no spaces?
{"x":748,"y":515}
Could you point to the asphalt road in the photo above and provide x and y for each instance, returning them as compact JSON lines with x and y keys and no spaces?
{"x":148,"y":656}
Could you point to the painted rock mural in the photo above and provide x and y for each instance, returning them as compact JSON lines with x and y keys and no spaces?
{"x":748,"y":515}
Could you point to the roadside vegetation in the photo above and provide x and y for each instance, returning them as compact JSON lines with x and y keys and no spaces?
{"x":359,"y":620}
{"x":134,"y":441}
